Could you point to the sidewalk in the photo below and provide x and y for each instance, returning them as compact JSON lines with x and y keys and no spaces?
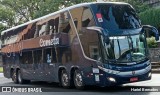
{"x":1,"y":75}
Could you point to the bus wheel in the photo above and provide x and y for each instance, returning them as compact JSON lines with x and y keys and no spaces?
{"x":65,"y":79}
{"x":14,"y":76}
{"x":78,"y":80}
{"x":20,"y":79}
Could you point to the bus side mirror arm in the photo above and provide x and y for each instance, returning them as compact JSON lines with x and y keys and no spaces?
{"x":152,"y":29}
{"x":96,"y":28}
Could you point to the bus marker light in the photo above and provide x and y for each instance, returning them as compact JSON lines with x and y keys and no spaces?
{"x":101,"y":74}
{"x":149,"y":75}
{"x":90,"y":74}
{"x":111,"y":79}
{"x":95,"y":70}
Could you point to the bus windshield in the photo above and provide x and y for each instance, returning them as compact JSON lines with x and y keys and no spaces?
{"x":117,"y":17}
{"x":126,"y":48}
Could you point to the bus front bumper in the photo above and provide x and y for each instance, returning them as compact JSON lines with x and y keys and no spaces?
{"x":106,"y":79}
{"x":113,"y":80}
{"x":117,"y":80}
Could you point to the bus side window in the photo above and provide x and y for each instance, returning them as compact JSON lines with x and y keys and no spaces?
{"x":36,"y":34}
{"x":42,"y":29}
{"x":27,"y":57}
{"x":24,"y":58}
{"x":87,"y":17}
{"x":76,"y":22}
{"x":64,"y":25}
{"x":32,"y":31}
{"x":54,"y":55}
{"x":90,"y":44}
{"x":38,"y":59}
{"x":47,"y":28}
{"x":94,"y":52}
{"x":30,"y":57}
{"x":29,"y":31}
{"x":64,"y":51}
{"x":52,"y":25}
{"x":56,"y":25}
{"x":47,"y":56}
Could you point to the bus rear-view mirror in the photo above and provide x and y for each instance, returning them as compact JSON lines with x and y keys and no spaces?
{"x":148,"y":28}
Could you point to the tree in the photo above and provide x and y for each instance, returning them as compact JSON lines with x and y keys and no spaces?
{"x":2,"y":27}
{"x":14,"y":12}
{"x":24,"y":9}
{"x":151,"y":17}
{"x":137,"y":4}
{"x":6,"y":17}
{"x":50,"y":6}
{"x":31,"y":9}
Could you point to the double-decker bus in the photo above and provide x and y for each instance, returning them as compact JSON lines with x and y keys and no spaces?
{"x":99,"y":44}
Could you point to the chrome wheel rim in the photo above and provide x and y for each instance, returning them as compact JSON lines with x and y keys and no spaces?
{"x":14,"y":77}
{"x":78,"y":79}
{"x":65,"y":79}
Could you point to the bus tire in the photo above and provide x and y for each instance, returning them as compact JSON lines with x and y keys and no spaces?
{"x":20,"y":79}
{"x":78,"y":80}
{"x":14,"y":76}
{"x":65,"y":82}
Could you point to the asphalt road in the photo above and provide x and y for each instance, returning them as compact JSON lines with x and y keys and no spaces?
{"x":55,"y":89}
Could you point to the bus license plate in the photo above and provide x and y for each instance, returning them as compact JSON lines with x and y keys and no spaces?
{"x":133,"y":79}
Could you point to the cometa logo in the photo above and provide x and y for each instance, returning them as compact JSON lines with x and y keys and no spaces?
{"x":54,"y":41}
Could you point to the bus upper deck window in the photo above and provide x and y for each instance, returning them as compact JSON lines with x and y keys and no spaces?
{"x":86,"y":17}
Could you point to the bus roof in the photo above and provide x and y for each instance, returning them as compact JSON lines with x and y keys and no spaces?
{"x":62,"y":10}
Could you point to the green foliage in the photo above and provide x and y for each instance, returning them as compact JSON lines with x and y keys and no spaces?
{"x":2,"y":27}
{"x":6,"y":16}
{"x":50,"y":6}
{"x":151,"y":17}
{"x":14,"y":12}
{"x":1,"y":69}
{"x":137,"y":4}
{"x":30,"y":9}
{"x":151,"y":42}
{"x":24,"y":9}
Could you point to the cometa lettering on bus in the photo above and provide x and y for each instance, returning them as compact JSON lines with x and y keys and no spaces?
{"x":54,"y":41}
